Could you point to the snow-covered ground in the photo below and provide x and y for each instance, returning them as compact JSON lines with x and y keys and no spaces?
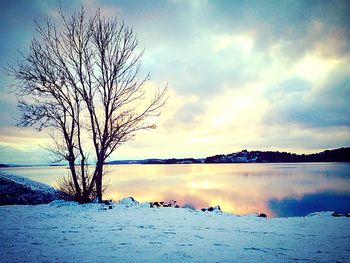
{"x":68,"y":232}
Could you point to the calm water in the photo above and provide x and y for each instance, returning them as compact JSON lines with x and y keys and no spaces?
{"x":275,"y":189}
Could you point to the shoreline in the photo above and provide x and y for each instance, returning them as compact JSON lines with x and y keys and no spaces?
{"x":9,"y":166}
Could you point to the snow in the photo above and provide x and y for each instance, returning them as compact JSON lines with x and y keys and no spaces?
{"x":128,"y":201}
{"x":68,"y":232}
{"x":129,"y":231}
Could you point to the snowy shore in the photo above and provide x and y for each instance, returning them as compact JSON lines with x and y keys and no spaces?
{"x":68,"y":232}
{"x":17,"y":190}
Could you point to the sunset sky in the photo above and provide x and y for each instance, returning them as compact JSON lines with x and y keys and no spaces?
{"x":256,"y":75}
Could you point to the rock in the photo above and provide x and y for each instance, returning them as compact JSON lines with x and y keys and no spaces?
{"x":337,"y":214}
{"x":347,"y":215}
{"x":171,"y":203}
{"x":155,"y":204}
{"x":262,"y":215}
{"x":108,"y":202}
{"x":212,"y":209}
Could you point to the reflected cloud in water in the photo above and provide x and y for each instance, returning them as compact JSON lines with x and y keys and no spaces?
{"x":237,"y":188}
{"x":326,"y":201}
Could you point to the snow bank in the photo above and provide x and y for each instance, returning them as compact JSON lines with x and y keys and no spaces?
{"x":33,"y":185}
{"x":67,"y":232}
{"x":19,"y":190}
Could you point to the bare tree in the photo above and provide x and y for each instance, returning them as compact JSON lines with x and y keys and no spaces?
{"x":83,"y":81}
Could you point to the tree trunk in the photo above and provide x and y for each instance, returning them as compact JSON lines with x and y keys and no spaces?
{"x":99,"y":173}
{"x":99,"y":189}
{"x":77,"y":196}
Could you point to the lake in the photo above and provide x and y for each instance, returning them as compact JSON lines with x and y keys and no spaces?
{"x":279,"y":190}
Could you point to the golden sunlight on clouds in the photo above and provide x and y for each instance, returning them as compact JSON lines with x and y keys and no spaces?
{"x":200,"y":140}
{"x":22,"y":138}
{"x":314,"y":68}
{"x":231,"y":107}
{"x":242,"y":43}
{"x":225,"y":118}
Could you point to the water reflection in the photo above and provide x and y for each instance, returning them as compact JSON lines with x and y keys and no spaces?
{"x":325,"y":201}
{"x":275,"y":189}
{"x":238,"y":188}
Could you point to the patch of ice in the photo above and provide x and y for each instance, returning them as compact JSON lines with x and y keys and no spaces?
{"x":321,"y":214}
{"x":60,"y":203}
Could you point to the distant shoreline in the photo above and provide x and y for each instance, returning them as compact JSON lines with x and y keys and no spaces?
{"x":244,"y":156}
{"x":126,"y":163}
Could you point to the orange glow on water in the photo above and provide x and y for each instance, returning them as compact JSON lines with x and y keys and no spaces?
{"x":239,"y":189}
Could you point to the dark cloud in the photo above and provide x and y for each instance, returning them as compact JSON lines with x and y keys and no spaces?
{"x":299,"y":26}
{"x":297,"y":102}
{"x":180,"y":46}
{"x":12,"y":155}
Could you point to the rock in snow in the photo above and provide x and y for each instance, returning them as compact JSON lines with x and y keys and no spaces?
{"x":262,"y":215}
{"x":216,"y":209}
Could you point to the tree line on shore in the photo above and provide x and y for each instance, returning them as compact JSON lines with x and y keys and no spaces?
{"x":336,"y":155}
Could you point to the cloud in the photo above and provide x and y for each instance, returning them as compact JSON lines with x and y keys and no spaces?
{"x":311,"y":104}
{"x":14,"y":155}
{"x":296,"y":26}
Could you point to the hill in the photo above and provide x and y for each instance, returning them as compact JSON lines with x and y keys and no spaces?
{"x":336,"y":155}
